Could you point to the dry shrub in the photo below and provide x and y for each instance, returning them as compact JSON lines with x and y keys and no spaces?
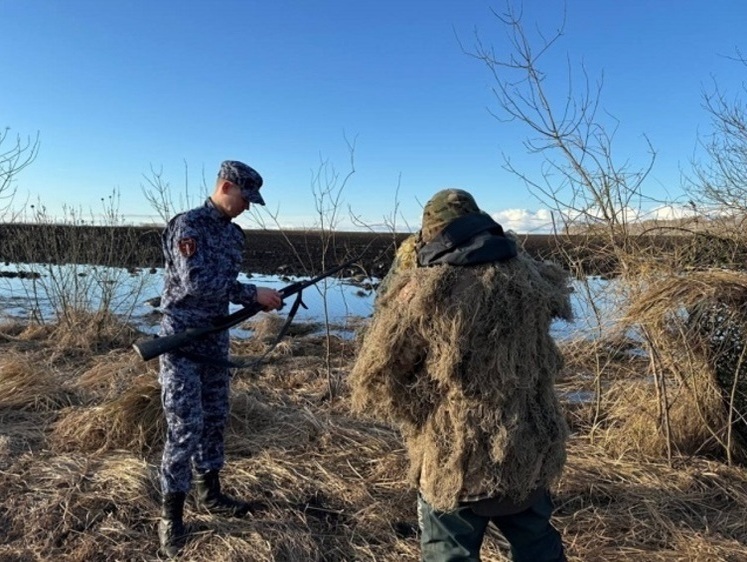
{"x":288,"y":373}
{"x":10,"y":330}
{"x":611,"y":357}
{"x":266,"y":327}
{"x":89,"y":331}
{"x":36,"y":332}
{"x":692,"y":398}
{"x":341,"y":349}
{"x":27,"y":385}
{"x":283,"y":348}
{"x":133,"y":421}
{"x":80,"y":333}
{"x":634,"y":420}
{"x":112,"y":373}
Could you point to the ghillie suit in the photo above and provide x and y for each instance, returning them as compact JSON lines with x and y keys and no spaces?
{"x":405,"y":258}
{"x":459,"y":357}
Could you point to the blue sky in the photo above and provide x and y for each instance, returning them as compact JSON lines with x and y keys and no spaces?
{"x":114,"y":88}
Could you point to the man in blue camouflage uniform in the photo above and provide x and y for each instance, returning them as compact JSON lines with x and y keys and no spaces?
{"x":203,"y":251}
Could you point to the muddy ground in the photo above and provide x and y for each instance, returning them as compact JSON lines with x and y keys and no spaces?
{"x":292,"y":252}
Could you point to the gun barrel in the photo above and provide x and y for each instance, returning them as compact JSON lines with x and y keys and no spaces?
{"x":148,"y":349}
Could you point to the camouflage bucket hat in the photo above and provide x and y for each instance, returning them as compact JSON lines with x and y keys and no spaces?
{"x":246,"y":177}
{"x":443,"y":208}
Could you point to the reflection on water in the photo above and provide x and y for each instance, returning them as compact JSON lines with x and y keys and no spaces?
{"x":22,"y":296}
{"x":27,"y":296}
{"x":576,"y":396}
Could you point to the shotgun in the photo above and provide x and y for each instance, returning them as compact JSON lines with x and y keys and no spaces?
{"x":158,"y":345}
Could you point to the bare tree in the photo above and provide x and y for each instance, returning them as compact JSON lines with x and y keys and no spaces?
{"x":595,"y":196}
{"x":161,"y":196}
{"x":720,"y":181}
{"x":74,"y":261}
{"x":581,"y":179}
{"x":327,"y":188}
{"x":16,"y":153}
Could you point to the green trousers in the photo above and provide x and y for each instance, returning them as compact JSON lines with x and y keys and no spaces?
{"x":458,"y":535}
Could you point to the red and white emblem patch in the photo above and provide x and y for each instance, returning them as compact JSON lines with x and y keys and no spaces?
{"x":187,"y":247}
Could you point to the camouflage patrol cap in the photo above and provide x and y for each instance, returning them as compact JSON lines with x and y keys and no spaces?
{"x":246,"y":177}
{"x":444,"y":207}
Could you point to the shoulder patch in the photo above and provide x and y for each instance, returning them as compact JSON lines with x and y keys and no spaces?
{"x":187,"y":247}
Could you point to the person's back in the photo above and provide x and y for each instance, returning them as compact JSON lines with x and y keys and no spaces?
{"x":459,"y":356}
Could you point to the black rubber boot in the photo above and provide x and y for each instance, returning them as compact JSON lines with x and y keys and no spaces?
{"x":211,"y":498}
{"x":171,"y":530}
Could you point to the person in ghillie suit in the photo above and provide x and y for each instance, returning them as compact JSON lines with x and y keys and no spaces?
{"x":459,"y":357}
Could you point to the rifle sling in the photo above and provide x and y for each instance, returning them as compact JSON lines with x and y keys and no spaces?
{"x":281,"y":334}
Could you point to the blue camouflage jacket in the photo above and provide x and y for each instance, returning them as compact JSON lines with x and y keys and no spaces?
{"x":203,"y":252}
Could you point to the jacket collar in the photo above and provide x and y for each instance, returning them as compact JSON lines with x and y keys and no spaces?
{"x":468,"y":240}
{"x":214,"y":212}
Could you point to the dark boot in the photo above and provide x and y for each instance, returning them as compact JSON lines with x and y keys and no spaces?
{"x":211,"y":498}
{"x":171,"y":530}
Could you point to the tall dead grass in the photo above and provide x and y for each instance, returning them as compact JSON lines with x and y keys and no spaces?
{"x":326,"y":486}
{"x":685,"y":406}
{"x":133,"y":421}
{"x":25,"y":384}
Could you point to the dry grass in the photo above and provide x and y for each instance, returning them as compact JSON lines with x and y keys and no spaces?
{"x":691,"y":403}
{"x":132,"y":421}
{"x":612,"y":509}
{"x":79,"y":482}
{"x":25,"y":384}
{"x":634,"y":426}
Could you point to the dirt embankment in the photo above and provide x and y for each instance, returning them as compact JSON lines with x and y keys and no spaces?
{"x":295,"y":252}
{"x":267,"y":251}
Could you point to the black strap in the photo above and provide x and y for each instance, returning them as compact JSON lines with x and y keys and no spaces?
{"x":281,"y":334}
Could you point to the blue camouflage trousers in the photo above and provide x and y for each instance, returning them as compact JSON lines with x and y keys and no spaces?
{"x":194,"y":396}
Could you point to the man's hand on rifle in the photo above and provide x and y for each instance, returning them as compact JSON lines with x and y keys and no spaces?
{"x":269,"y":299}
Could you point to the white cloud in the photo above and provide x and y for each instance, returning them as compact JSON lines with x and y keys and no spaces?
{"x":670,"y":212}
{"x":524,"y":221}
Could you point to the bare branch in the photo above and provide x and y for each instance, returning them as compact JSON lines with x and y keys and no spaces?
{"x":15,"y":155}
